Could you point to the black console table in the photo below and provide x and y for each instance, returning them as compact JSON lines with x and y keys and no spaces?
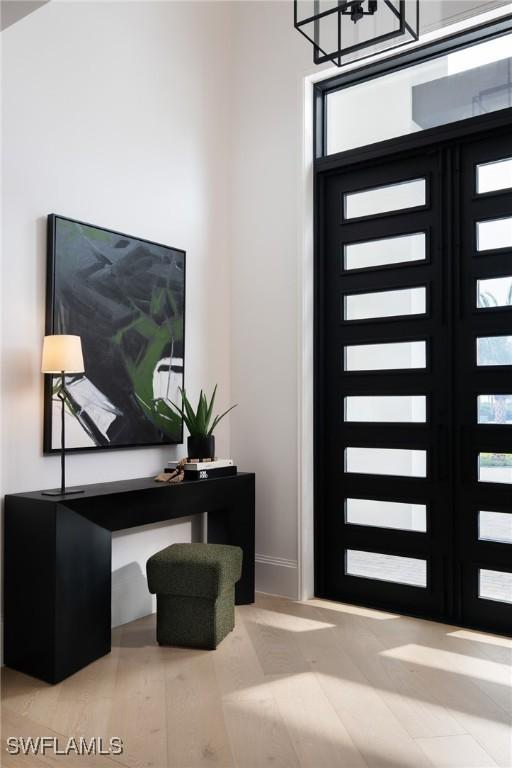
{"x":57,"y":561}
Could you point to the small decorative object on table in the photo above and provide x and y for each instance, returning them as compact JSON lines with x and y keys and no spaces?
{"x":176,"y":471}
{"x":174,"y":474}
{"x":201,"y":424}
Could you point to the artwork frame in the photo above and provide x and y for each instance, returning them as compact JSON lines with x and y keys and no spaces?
{"x":141,"y":432}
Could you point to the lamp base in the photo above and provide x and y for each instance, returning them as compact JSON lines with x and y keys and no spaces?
{"x":60,"y":492}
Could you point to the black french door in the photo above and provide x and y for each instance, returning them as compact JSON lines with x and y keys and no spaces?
{"x":413,"y":467}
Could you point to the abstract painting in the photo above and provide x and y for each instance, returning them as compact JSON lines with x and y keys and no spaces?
{"x":125,"y":297}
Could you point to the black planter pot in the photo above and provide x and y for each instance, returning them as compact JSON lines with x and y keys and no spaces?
{"x":201,"y":447}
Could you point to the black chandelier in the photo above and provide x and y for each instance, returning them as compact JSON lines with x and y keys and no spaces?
{"x":349,"y":30}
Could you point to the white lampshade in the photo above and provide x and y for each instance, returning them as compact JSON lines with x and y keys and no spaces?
{"x":62,"y":353}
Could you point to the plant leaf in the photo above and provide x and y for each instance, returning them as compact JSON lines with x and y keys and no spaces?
{"x":181,"y":413}
{"x":210,"y":409}
{"x":201,"y":415}
{"x":218,"y":418}
{"x":189,"y":411}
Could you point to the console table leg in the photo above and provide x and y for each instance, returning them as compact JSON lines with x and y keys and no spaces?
{"x":236,"y":525}
{"x":82,"y":593}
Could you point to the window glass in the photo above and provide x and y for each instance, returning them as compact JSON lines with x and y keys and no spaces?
{"x":495,"y":409}
{"x":456,"y":86}
{"x":392,"y":197}
{"x":404,"y":462}
{"x":494,"y":292}
{"x":495,"y":526}
{"x":374,"y":565}
{"x":491,"y":177}
{"x":386,"y":514}
{"x":495,"y":585}
{"x":388,"y":356}
{"x":388,"y":250}
{"x":496,"y":233}
{"x":495,"y":467}
{"x":494,"y":350}
{"x":367,"y":306}
{"x":392,"y":408}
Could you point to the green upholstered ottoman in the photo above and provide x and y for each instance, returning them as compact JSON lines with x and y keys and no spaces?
{"x":195,"y":593}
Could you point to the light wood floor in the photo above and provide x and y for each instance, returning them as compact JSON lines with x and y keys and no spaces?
{"x":315,"y":685}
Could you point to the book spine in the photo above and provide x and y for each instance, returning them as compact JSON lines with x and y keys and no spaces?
{"x":208,"y":465}
{"x":209,"y":474}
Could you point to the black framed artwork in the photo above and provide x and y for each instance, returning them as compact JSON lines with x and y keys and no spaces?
{"x":125,"y":297}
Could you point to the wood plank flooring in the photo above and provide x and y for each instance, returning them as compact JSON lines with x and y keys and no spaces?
{"x":295,"y":685}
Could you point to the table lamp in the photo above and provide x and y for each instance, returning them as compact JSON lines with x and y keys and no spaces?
{"x":62,"y":354}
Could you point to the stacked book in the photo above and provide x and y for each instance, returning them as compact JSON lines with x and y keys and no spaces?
{"x":205,"y":470}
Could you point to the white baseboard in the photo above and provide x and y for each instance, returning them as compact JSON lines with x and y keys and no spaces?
{"x":277,"y":576}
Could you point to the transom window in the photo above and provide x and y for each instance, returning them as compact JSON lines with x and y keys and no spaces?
{"x":450,"y":82}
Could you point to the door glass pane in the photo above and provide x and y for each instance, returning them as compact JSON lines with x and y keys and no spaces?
{"x":495,"y":409}
{"x":495,"y":467}
{"x":373,"y":565}
{"x":392,"y":197}
{"x":494,"y":176}
{"x":495,"y":585}
{"x":393,"y":408}
{"x":386,"y":514}
{"x":495,"y":526}
{"x":387,"y":356}
{"x":494,"y":350}
{"x":496,"y":233}
{"x":386,"y":461}
{"x":494,"y":292}
{"x":364,"y":306}
{"x":389,"y":250}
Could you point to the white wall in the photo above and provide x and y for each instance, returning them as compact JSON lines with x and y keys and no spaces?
{"x":117,"y":114}
{"x":267,"y":134}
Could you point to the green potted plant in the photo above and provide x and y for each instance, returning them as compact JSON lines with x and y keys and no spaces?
{"x":200,"y":422}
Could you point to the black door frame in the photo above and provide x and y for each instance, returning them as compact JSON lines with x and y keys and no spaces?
{"x":435,"y":544}
{"x":362,"y":157}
